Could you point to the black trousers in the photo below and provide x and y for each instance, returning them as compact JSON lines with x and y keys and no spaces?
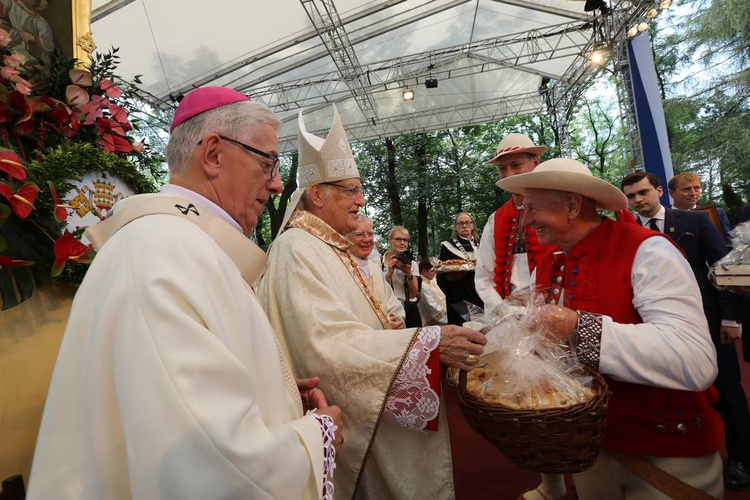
{"x":413,"y":319}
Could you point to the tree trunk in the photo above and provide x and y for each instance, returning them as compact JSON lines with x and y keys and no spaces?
{"x":276,"y":213}
{"x":421,"y":195}
{"x":394,"y":194}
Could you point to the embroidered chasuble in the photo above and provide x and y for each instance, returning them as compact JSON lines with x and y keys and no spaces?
{"x":336,"y":329}
{"x":172,"y":382}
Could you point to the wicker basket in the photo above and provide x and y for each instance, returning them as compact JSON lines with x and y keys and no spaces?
{"x":556,"y":440}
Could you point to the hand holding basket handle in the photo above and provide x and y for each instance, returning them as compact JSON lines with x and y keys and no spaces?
{"x":461,"y":347}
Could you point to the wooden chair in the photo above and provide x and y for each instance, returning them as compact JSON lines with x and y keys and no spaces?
{"x":13,"y":488}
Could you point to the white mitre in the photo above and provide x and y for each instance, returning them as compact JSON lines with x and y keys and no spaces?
{"x":321,"y":160}
{"x":328,"y":160}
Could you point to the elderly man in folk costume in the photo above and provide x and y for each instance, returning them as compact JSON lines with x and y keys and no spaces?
{"x":387,"y":381}
{"x":170,"y":382}
{"x":627,"y":300}
{"x":508,"y":253}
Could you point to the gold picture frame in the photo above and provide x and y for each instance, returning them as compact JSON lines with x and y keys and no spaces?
{"x":713,"y":214}
{"x":70,"y":22}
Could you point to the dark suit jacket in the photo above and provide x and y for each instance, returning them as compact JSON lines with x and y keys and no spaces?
{"x":703,"y":246}
{"x":744,"y":216}
{"x":725,"y":224}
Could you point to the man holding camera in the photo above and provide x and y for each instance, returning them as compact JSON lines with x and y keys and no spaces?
{"x":386,"y":381}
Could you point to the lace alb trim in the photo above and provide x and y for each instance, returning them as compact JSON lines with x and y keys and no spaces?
{"x":412,"y":403}
{"x":328,"y":428}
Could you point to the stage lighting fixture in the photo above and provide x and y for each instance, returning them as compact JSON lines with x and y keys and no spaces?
{"x":643,"y":26}
{"x":408,"y":95}
{"x":633,"y":31}
{"x":431,"y":83}
{"x":592,"y":5}
{"x":652,"y":13}
{"x":597,"y":57}
{"x":665,"y":4}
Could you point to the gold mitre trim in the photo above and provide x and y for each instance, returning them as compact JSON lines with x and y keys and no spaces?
{"x":326,"y":160}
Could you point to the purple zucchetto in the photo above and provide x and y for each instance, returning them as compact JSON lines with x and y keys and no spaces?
{"x":204,"y":99}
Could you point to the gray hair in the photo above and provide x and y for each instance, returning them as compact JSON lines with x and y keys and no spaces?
{"x":235,"y":120}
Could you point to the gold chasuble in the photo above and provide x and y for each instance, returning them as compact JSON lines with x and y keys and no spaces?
{"x":336,"y":329}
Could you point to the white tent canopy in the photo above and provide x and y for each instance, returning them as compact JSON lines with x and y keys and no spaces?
{"x":488,"y":57}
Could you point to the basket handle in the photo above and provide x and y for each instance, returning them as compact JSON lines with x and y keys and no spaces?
{"x":461,"y":382}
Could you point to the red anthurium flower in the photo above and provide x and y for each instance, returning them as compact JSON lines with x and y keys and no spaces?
{"x":68,"y":247}
{"x":109,"y":88}
{"x":75,"y":95}
{"x":22,"y":88}
{"x":122,"y":145}
{"x":12,"y":61}
{"x":80,"y":77}
{"x":118,"y":113}
{"x":105,"y":124}
{"x":60,"y":112}
{"x":5,"y":38}
{"x":25,"y":125}
{"x":8,"y":72}
{"x":22,"y":201}
{"x":107,"y":143}
{"x":17,"y":100}
{"x":6,"y":261}
{"x":10,"y":163}
{"x":91,"y":111}
{"x":61,"y":212}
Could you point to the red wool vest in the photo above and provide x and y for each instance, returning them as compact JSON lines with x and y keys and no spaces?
{"x":641,"y":420}
{"x":506,"y":223}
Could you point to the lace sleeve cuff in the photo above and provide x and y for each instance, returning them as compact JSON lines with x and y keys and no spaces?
{"x":589,"y":338}
{"x":328,"y":429}
{"x":412,"y":401}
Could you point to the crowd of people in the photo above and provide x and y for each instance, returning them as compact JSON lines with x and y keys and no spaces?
{"x":196,"y":366}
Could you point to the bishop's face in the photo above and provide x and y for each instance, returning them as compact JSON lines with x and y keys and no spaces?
{"x":341,"y":203}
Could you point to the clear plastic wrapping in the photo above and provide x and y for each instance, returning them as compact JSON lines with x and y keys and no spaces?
{"x":732,"y":272}
{"x":521,"y":368}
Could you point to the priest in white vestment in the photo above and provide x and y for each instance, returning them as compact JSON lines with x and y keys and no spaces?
{"x":363,"y":242}
{"x":170,"y":382}
{"x":386,"y":381}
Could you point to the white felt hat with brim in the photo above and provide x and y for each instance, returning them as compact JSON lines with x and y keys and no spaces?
{"x":516,"y":143}
{"x":563,"y":174}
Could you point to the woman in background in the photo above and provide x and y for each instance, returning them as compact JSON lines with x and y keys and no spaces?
{"x":403,"y":274}
{"x":458,"y":286}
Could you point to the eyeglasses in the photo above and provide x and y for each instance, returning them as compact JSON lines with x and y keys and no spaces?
{"x":349,"y":190}
{"x":464,"y":223}
{"x":271,"y":156}
{"x":401,"y":240}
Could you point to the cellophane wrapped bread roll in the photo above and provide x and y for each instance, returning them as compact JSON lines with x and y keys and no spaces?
{"x":521,"y":368}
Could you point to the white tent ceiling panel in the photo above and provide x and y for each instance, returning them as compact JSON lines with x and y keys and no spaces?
{"x":488,"y":56}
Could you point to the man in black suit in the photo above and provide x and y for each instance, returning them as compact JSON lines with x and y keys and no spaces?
{"x":703,"y":245}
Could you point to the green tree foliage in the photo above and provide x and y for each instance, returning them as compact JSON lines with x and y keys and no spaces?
{"x":703,"y":59}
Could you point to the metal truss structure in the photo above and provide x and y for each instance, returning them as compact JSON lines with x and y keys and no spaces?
{"x":529,"y":52}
